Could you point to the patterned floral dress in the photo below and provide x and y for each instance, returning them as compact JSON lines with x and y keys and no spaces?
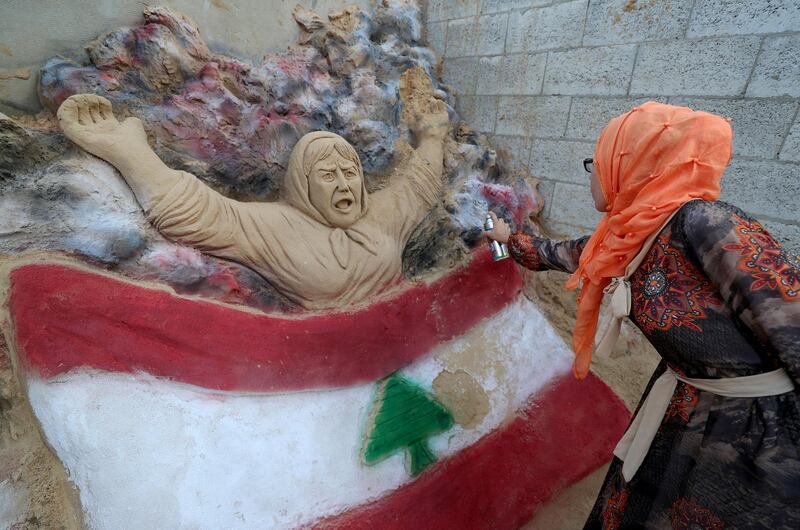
{"x":717,"y":297}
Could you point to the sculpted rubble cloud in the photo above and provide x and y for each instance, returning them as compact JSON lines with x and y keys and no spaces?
{"x":233,"y":124}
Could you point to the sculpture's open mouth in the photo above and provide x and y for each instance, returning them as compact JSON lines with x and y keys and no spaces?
{"x":343,"y":205}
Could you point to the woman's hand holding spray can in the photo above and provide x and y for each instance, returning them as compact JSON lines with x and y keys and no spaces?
{"x":498,"y":232}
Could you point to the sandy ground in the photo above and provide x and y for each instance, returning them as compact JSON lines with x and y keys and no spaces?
{"x":30,"y":475}
{"x":570,"y":509}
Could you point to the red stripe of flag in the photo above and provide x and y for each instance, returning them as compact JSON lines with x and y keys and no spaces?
{"x":65,"y":318}
{"x":561,"y":435}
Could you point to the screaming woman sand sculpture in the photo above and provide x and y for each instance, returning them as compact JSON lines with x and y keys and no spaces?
{"x":168,"y":410}
{"x":326,"y":244}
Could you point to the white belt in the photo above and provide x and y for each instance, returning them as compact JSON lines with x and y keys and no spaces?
{"x":635,"y":443}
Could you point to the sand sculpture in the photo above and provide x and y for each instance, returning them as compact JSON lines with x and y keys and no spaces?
{"x":232,"y":124}
{"x":179,"y":389}
{"x":327,"y":243}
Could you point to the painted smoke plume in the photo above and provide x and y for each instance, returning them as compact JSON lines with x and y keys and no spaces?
{"x":233,"y":123}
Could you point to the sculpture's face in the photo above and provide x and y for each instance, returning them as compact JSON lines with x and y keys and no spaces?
{"x":334,"y":188}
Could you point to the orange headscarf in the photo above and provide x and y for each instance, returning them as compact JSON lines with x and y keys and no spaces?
{"x":650,"y":161}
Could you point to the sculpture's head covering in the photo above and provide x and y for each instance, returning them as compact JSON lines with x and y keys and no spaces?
{"x":296,"y":188}
{"x":650,"y":161}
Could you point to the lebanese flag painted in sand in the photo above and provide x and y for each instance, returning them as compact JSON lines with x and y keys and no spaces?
{"x":99,"y":322}
{"x":213,"y":416}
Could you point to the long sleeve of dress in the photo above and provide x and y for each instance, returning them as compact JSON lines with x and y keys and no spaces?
{"x":756,"y":278}
{"x":193,"y":213}
{"x":541,"y":254}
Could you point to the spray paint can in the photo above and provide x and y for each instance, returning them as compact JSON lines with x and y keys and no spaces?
{"x":499,"y":250}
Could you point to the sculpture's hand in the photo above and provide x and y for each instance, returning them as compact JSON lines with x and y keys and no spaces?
{"x":424,"y":114}
{"x":433,"y":122}
{"x":89,"y":121}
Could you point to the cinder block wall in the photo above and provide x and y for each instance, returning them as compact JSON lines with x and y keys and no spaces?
{"x":543,"y":77}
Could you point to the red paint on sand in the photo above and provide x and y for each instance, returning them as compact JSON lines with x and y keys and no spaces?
{"x":563,"y":433}
{"x":65,"y":318}
{"x":518,"y":203}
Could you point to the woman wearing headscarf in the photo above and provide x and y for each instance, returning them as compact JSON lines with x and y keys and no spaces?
{"x":326,"y":243}
{"x":715,"y":442}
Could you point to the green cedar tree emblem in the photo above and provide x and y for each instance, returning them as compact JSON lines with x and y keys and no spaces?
{"x":406,"y":416}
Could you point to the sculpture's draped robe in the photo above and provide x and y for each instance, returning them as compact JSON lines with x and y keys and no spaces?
{"x":296,"y":252}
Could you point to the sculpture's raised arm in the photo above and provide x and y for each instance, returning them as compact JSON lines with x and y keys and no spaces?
{"x":180,"y":206}
{"x":426,"y":116}
{"x":418,"y":184}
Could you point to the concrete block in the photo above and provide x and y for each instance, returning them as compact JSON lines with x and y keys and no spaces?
{"x":518,"y":29}
{"x":436,"y":35}
{"x":480,"y":112}
{"x":734,"y":17}
{"x":791,"y":147}
{"x":532,"y":115}
{"x":604,"y":71}
{"x":544,"y":28}
{"x":501,"y":74}
{"x":573,"y":205}
{"x":496,"y":6}
{"x":492,"y":34}
{"x":787,"y":234}
{"x":763,"y":187}
{"x":710,"y":67}
{"x":461,"y":73}
{"x":778,"y":70}
{"x":560,"y":160}
{"x":759,"y":125}
{"x":449,"y":9}
{"x":516,"y":150}
{"x":546,"y":189}
{"x":556,"y":230}
{"x":511,"y":74}
{"x":461,"y":37}
{"x":622,"y":21}
{"x":589,"y":116}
